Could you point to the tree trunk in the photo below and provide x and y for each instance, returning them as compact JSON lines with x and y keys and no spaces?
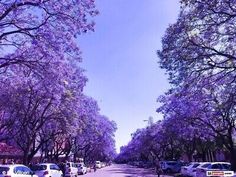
{"x":190,"y":156}
{"x":25,"y":158}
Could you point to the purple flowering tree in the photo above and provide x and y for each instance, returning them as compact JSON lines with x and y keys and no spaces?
{"x":43,"y":107}
{"x":198,"y":54}
{"x":34,"y":33}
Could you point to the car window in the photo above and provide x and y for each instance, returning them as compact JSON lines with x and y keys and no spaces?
{"x":68,"y":164}
{"x":226,"y":166}
{"x":18,"y":170}
{"x":3,"y":170}
{"x":22,"y":170}
{"x":26,"y":171}
{"x":38,"y":167}
{"x":215,"y":166}
{"x":56,"y":167}
{"x":52,"y":167}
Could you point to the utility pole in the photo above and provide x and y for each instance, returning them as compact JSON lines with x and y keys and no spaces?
{"x":150,"y":121}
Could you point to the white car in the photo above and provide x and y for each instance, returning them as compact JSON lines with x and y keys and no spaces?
{"x":98,"y":164}
{"x":82,"y":169}
{"x":16,"y":170}
{"x":193,"y":169}
{"x":47,"y":170}
{"x":71,"y":169}
{"x":212,"y":166}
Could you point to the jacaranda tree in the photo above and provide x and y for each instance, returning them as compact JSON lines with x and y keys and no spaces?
{"x":198,"y":53}
{"x":43,"y":108}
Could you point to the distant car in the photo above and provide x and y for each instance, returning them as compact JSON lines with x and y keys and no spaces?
{"x":16,"y":170}
{"x":82,"y":169}
{"x":141,"y":164}
{"x":171,"y":166}
{"x":212,"y":166}
{"x":89,"y":169}
{"x":190,"y":170}
{"x":47,"y":170}
{"x":71,"y":169}
{"x":98,"y":164}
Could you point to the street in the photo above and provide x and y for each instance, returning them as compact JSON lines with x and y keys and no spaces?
{"x":121,"y":171}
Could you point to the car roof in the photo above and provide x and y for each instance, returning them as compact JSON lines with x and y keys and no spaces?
{"x":192,"y":163}
{"x":220,"y":163}
{"x":12,"y":165}
{"x":46,"y":164}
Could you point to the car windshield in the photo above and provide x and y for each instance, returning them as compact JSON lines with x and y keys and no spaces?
{"x":205,"y":165}
{"x":171,"y":163}
{"x":189,"y":165}
{"x":196,"y":165}
{"x":38,"y":167}
{"x":3,"y":170}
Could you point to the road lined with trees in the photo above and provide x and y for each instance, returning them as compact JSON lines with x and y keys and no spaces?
{"x":43,"y":108}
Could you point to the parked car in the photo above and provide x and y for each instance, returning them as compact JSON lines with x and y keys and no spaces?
{"x":171,"y":166}
{"x":148,"y":164}
{"x":82,"y":169}
{"x":190,"y":170}
{"x":47,"y":170}
{"x":98,"y":164}
{"x":212,"y":166}
{"x":16,"y":170}
{"x":71,"y":169}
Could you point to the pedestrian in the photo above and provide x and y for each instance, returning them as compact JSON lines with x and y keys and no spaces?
{"x":12,"y":162}
{"x":94,"y":167}
{"x":158,"y":169}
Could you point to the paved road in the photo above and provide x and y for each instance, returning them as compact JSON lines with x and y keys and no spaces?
{"x":121,"y":171}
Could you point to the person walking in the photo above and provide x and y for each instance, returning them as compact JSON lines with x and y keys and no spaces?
{"x":94,"y":167}
{"x":158,"y":169}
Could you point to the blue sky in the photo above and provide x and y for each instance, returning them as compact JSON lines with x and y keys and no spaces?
{"x":121,"y":62}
